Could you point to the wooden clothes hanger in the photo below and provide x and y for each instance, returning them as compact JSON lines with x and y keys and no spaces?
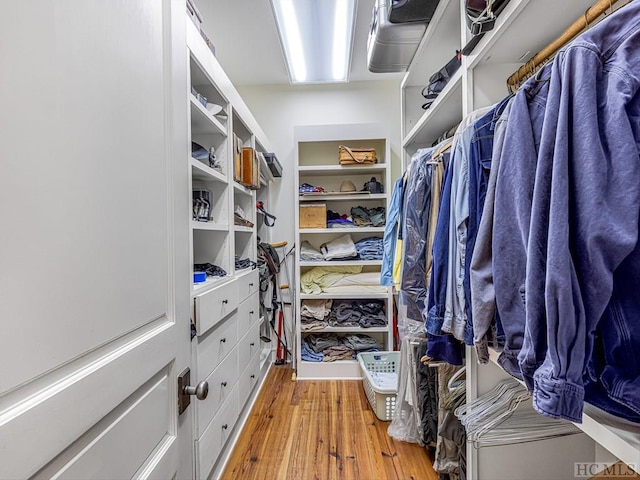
{"x":583,"y":23}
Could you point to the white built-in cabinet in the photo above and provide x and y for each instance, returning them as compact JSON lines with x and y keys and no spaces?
{"x":316,"y":153}
{"x":227,"y":350}
{"x":523,"y":28}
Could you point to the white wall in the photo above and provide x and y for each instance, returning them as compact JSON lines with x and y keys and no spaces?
{"x":279,"y":108}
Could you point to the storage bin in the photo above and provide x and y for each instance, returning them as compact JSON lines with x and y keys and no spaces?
{"x":313,"y":215}
{"x":382,"y":400}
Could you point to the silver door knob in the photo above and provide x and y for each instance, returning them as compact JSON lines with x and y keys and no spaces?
{"x":200,"y":391}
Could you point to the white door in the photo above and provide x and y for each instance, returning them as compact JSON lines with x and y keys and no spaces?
{"x":94,"y":292}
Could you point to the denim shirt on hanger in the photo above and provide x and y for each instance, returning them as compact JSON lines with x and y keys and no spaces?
{"x":512,"y":212}
{"x":483,"y":294}
{"x":441,"y":346}
{"x":480,"y":156}
{"x":391,"y":233}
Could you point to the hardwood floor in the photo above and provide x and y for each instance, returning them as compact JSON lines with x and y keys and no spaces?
{"x":320,"y":430}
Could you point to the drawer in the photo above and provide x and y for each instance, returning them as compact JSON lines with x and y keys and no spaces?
{"x":249,"y":378}
{"x":214,"y":438}
{"x":211,"y":307}
{"x":216,"y":344}
{"x":249,"y":345}
{"x":221,"y":382}
{"x":248,"y":314}
{"x":248,"y":284}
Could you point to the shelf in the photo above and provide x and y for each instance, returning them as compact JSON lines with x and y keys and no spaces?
{"x":516,"y":37}
{"x":445,"y":112}
{"x":202,"y":121}
{"x":202,"y":172}
{"x":342,"y":197}
{"x":241,"y":229}
{"x":347,"y":330}
{"x":265,"y":171}
{"x":618,"y":436}
{"x":211,"y":226}
{"x":316,"y":163}
{"x":354,"y":296}
{"x":343,"y":230}
{"x":438,"y":45}
{"x":324,"y":263}
{"x":241,"y":189}
{"x":327,"y":170}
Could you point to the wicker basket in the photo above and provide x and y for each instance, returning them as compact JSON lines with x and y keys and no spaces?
{"x":356,"y":156}
{"x":382,"y":400}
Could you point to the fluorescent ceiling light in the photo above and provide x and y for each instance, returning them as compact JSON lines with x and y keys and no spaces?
{"x":316,"y":36}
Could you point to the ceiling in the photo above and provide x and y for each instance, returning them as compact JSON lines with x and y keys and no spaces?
{"x":248,"y":48}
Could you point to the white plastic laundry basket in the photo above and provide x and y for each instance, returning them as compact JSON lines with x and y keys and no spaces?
{"x":382,"y":400}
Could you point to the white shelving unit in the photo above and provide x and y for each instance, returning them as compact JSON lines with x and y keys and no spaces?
{"x":523,"y":28}
{"x":317,"y":164}
{"x":227,"y":350}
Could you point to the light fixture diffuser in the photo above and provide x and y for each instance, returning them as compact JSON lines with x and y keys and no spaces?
{"x":316,"y":37}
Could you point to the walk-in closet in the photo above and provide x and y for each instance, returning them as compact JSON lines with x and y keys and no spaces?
{"x":320,"y":239}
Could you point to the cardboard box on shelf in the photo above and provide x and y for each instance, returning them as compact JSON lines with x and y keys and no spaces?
{"x":313,"y":215}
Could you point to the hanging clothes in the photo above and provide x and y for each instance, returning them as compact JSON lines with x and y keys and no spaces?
{"x":391,"y":233}
{"x":583,"y":251}
{"x":483,"y":296}
{"x":417,"y":204}
{"x":566,"y":256}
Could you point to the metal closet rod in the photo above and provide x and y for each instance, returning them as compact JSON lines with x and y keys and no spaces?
{"x":577,"y":27}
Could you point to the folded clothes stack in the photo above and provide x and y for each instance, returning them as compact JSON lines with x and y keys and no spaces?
{"x":242,"y":263}
{"x":355,"y":313}
{"x":329,"y":347}
{"x":339,"y":352}
{"x":343,"y":314}
{"x":210,"y":269}
{"x":370,"y":248}
{"x":314,"y":314}
{"x":360,"y":342}
{"x":308,"y":355}
{"x":308,"y":324}
{"x":366,"y":217}
{"x":336,"y":220}
{"x":319,"y":341}
{"x":318,"y":309}
{"x":309,"y":253}
{"x":340,"y":248}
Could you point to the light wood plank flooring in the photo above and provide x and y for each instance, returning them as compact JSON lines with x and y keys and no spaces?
{"x":320,"y":430}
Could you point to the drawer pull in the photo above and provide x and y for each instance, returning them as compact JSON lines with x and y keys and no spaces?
{"x":223,"y":340}
{"x":253,"y":376}
{"x":225,"y":301}
{"x":251,"y":312}
{"x":225,"y":426}
{"x":251,"y":284}
{"x":252,"y":344}
{"x":224,"y":384}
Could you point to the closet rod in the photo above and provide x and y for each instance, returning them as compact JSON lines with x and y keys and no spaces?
{"x":539,"y":59}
